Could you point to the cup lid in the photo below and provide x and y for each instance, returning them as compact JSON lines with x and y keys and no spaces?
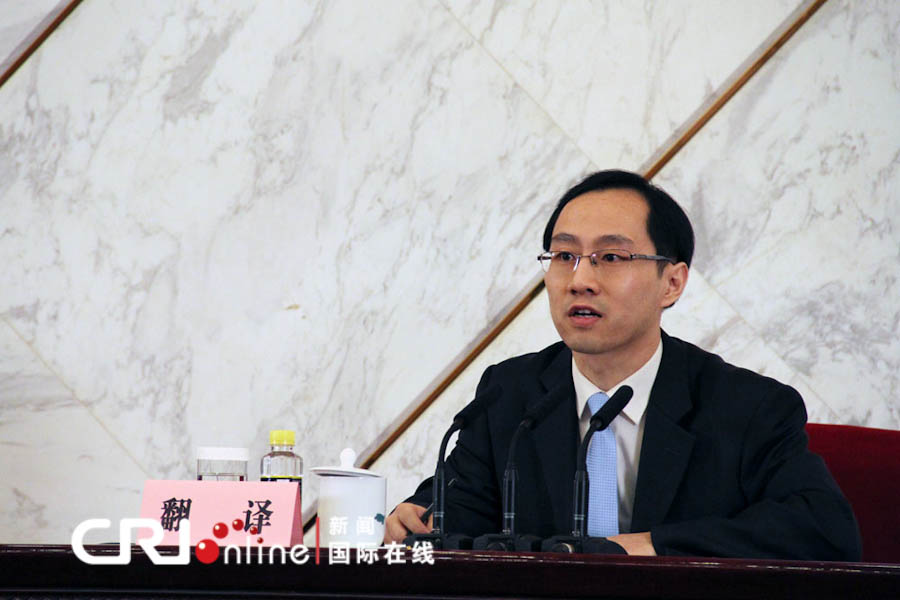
{"x":220,"y":453}
{"x":348,"y":457}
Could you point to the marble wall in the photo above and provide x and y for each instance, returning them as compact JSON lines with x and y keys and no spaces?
{"x":216,"y":220}
{"x":19,"y":19}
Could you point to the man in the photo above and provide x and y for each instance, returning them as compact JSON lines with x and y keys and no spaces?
{"x":709,"y":459}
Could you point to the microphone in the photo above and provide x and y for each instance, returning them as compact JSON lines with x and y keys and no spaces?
{"x":599,"y":421}
{"x":437,"y":537}
{"x":507,"y":538}
{"x":578,"y":540}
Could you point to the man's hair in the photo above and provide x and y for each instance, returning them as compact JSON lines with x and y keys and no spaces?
{"x":667,"y":225}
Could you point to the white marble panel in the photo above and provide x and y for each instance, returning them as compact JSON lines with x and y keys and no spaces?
{"x":620,"y":77}
{"x":18,"y":19}
{"x":60,"y":466}
{"x":208,"y":236}
{"x":817,"y":409}
{"x":793,"y":191}
{"x":705,"y":318}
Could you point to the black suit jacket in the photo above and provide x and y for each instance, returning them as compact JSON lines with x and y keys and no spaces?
{"x":724,"y":467}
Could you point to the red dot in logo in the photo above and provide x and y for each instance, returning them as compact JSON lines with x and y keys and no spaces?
{"x":254,"y":530}
{"x":220,"y":530}
{"x":207,"y":551}
{"x":259,"y":540}
{"x":237,"y":524}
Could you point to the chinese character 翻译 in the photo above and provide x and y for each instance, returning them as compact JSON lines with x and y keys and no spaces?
{"x":173,"y":511}
{"x":338,"y":553}
{"x":422,"y":553}
{"x":260,"y":518}
{"x":337,"y":526}
{"x":366,"y":553}
{"x":394,"y":554}
{"x":365,"y":526}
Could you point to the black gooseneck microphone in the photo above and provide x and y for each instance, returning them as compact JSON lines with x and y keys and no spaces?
{"x":599,"y":422}
{"x":578,"y":540}
{"x":438,"y":538}
{"x":507,"y":538}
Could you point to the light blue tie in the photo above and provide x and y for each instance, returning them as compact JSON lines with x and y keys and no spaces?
{"x":603,"y":497}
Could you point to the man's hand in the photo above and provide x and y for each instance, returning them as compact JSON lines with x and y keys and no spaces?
{"x":406,"y":519}
{"x":637,"y":544}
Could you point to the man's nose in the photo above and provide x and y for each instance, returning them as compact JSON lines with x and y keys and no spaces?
{"x":584,"y":279}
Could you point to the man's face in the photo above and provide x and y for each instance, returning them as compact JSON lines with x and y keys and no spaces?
{"x":624,"y":301}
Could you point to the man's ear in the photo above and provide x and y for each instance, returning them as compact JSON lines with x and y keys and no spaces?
{"x":676,"y":277}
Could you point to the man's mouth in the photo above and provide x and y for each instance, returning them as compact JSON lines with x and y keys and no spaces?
{"x":584,"y":312}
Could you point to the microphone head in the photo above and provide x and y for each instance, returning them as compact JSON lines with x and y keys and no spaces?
{"x":603,"y":417}
{"x":537,"y":413}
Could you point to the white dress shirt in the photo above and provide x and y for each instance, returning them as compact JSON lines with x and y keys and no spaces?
{"x":628,"y":426}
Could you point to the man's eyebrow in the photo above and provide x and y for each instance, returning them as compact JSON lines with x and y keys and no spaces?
{"x":611,"y":240}
{"x":563,"y":237}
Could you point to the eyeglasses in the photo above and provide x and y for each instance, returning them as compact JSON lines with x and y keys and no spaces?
{"x":562,"y":261}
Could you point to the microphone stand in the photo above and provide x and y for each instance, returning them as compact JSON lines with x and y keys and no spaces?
{"x":507,"y":539}
{"x":438,"y":538}
{"x":578,"y":541}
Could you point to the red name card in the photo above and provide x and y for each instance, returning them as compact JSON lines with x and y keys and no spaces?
{"x":226,"y":512}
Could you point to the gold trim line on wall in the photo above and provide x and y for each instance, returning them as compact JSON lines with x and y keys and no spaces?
{"x":33,"y":40}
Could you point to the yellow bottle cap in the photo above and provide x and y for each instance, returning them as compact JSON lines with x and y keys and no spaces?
{"x":281,"y":437}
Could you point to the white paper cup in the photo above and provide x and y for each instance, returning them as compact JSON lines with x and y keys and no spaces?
{"x":351,"y":504}
{"x":351,"y":510}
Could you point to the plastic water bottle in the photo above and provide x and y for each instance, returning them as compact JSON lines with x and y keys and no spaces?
{"x":281,"y":464}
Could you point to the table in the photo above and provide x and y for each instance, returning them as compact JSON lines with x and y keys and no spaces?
{"x":52,"y":571}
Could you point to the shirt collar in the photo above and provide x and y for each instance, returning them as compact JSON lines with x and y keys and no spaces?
{"x":641,"y":381}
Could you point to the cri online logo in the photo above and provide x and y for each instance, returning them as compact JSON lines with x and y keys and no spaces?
{"x":207,"y":551}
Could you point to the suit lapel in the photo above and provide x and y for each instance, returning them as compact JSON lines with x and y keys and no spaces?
{"x":556,"y":437}
{"x":666,"y":446}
